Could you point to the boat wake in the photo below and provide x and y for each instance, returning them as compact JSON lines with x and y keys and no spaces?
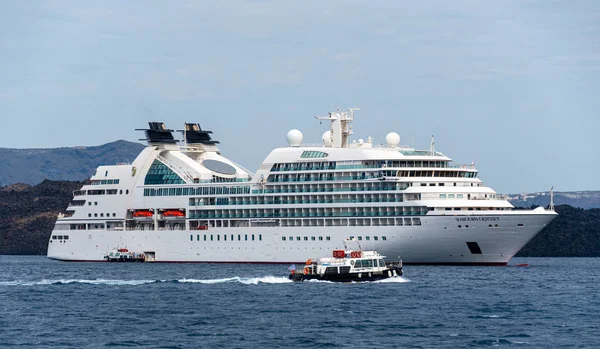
{"x":247,"y":281}
{"x":269,"y":279}
{"x":77,"y":281}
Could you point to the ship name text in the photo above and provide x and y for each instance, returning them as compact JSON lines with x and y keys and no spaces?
{"x":478,"y":219}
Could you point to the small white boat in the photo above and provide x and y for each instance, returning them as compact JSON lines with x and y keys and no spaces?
{"x":348,"y":265}
{"x":124,"y":255}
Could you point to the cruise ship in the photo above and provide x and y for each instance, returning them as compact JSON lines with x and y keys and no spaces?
{"x":183,"y":201}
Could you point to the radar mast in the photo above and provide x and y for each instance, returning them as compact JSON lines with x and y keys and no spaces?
{"x":340,"y":127}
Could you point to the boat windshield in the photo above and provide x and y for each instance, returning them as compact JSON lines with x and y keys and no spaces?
{"x":364,"y":263}
{"x":381,"y":263}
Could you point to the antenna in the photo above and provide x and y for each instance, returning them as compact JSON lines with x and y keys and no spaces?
{"x":340,"y":126}
{"x":432,"y":146}
{"x":552,"y":198}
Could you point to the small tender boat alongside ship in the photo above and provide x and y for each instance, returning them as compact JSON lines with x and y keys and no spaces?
{"x":124,"y":255}
{"x":348,"y":265}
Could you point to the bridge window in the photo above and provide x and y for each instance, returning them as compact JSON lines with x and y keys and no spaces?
{"x":313,"y":154}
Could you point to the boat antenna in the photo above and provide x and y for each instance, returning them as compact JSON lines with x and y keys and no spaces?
{"x":432,"y":146}
{"x":552,"y":198}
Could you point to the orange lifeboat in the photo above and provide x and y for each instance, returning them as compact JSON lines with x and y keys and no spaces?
{"x":144,"y":213}
{"x":173,"y":213}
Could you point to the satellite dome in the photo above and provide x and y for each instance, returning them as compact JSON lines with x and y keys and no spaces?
{"x":361,"y":141}
{"x":392,"y":139}
{"x":294,"y":138}
{"x":327,"y":139}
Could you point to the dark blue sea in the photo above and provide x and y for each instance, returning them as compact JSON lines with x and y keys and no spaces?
{"x":553,"y":303}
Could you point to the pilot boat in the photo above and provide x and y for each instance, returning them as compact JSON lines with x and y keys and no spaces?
{"x":348,"y":265}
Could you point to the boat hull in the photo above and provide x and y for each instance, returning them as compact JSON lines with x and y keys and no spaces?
{"x":349,"y":277}
{"x":439,"y":240}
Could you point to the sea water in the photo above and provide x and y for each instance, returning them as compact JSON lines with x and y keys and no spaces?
{"x":552,"y":303}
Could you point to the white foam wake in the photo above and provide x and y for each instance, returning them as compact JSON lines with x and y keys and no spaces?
{"x":395,"y":279}
{"x":77,"y":281}
{"x":247,"y":281}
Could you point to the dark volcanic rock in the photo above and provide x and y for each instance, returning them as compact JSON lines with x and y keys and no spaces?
{"x":28,"y":214}
{"x":574,"y":233}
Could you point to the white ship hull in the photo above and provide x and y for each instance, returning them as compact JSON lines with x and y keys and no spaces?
{"x":192,"y":204}
{"x":438,"y":240}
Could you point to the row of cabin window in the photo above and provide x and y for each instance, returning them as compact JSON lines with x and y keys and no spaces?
{"x":368,"y":238}
{"x":438,"y":173}
{"x":312,"y":238}
{"x":105,"y":181}
{"x":327,"y":238}
{"x":461,"y":196}
{"x":105,"y":192}
{"x":494,"y":226}
{"x":217,"y":237}
{"x":60,"y":237}
{"x":327,"y":187}
{"x":102,"y":215}
{"x":343,"y":165}
{"x":196,"y":191}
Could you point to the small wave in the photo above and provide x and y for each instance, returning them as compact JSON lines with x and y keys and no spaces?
{"x":77,"y":281}
{"x":491,"y":316}
{"x":320,"y":281}
{"x":493,"y":342}
{"x":207,"y":281}
{"x":395,"y":279}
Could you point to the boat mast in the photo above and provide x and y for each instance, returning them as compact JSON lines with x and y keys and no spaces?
{"x":432,"y":146}
{"x":340,"y":127}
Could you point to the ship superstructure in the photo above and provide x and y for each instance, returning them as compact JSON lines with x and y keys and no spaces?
{"x":185,"y":202}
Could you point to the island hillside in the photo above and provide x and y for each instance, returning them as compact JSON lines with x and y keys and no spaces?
{"x":32,"y":166}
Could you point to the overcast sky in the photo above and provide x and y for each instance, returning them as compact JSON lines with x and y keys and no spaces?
{"x":513,"y":86}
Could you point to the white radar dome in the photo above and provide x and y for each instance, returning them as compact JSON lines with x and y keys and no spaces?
{"x":327,"y":139}
{"x":392,"y":139}
{"x":294,"y":138}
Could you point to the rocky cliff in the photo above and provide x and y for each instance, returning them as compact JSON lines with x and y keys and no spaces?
{"x":28,"y":213}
